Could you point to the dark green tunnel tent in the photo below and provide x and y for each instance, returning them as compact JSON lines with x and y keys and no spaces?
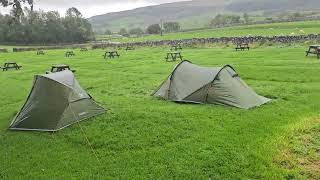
{"x":55,"y":102}
{"x":194,"y":84}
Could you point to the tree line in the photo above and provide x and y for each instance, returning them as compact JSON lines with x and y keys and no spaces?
{"x":222,"y":20}
{"x":152,"y":29}
{"x":27,"y":26}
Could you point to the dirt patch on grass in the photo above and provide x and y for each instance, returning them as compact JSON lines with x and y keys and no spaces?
{"x":300,"y":155}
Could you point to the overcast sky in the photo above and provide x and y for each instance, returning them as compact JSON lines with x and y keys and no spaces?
{"x":93,"y":7}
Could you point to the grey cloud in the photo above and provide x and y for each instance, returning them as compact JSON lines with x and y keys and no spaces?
{"x":94,"y":7}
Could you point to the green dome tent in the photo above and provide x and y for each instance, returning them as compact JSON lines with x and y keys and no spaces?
{"x":55,"y":102}
{"x":194,"y":84}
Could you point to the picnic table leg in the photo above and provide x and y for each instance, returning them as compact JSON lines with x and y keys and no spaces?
{"x":307,"y":53}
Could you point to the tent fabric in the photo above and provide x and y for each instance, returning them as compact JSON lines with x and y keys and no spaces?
{"x":55,"y":102}
{"x":195,"y":84}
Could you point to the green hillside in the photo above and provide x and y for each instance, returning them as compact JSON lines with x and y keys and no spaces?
{"x":196,"y":13}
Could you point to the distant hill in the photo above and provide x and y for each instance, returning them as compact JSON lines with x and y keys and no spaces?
{"x":272,"y":5}
{"x":193,"y":14}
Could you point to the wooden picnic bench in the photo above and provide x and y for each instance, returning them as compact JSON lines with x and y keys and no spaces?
{"x":176,"y":47}
{"x":10,"y":65}
{"x":242,"y":47}
{"x":314,"y":49}
{"x":59,"y":67}
{"x":173,"y":56}
{"x":111,"y":54}
{"x":130,"y":48}
{"x":40,"y":52}
{"x":84,"y":49}
{"x":69,"y":53}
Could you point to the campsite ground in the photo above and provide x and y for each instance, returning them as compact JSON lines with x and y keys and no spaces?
{"x":143,"y":137}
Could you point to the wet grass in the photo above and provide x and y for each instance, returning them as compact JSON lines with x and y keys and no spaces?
{"x":141,"y":137}
{"x":300,"y":154}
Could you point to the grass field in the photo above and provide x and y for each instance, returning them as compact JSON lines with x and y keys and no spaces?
{"x":141,"y":137}
{"x":290,"y":28}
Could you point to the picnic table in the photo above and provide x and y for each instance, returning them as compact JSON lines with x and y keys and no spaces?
{"x":10,"y":65}
{"x":111,"y":54}
{"x":173,"y":56}
{"x":69,"y":53}
{"x":242,"y":46}
{"x":40,"y":52}
{"x":84,"y":49}
{"x":314,"y":49}
{"x":128,"y":48}
{"x":176,"y":47}
{"x":59,"y":67}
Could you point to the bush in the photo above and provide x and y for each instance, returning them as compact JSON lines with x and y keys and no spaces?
{"x":171,"y":26}
{"x":221,"y":20}
{"x":154,"y":29}
{"x":136,"y":31}
{"x":107,"y":32}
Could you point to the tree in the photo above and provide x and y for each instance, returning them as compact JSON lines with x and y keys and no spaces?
{"x":73,"y":12}
{"x":6,"y":3}
{"x":171,"y":26}
{"x":221,"y":20}
{"x":16,"y":11}
{"x":246,"y":18}
{"x":123,"y":32}
{"x":295,"y":16}
{"x":154,"y":29}
{"x":53,"y":27}
{"x":136,"y":31}
{"x":77,"y":28}
{"x":107,"y":32}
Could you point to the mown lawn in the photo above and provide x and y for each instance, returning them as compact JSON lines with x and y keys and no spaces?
{"x":141,"y":137}
{"x":272,"y":29}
